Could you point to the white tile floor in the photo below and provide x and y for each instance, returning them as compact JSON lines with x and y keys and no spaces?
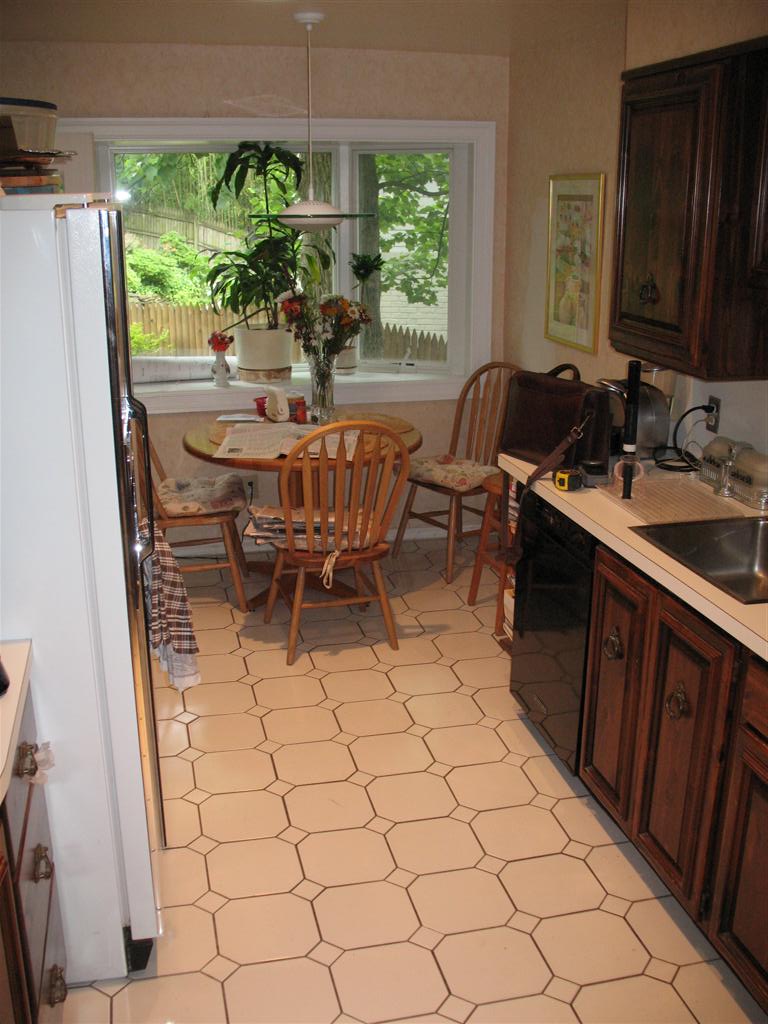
{"x":374,"y":835}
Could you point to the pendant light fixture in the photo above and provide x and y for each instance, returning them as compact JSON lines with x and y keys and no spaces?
{"x":312,"y":214}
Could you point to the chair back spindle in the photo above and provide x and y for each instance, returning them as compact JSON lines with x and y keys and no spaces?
{"x":479,"y":413}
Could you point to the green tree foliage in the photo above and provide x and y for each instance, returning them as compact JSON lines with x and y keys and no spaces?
{"x":175,"y":272}
{"x":145,"y":343}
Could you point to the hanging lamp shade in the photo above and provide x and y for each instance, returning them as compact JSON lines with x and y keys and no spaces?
{"x":312,"y":214}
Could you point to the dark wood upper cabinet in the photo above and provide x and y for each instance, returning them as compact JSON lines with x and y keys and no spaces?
{"x":690,"y":288}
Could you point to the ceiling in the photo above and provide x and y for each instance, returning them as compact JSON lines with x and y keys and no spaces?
{"x":441,"y":26}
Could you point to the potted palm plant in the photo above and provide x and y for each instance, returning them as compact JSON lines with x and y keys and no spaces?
{"x":273,"y":262}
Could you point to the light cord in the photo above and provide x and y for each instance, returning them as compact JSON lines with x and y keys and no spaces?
{"x":311,"y":190}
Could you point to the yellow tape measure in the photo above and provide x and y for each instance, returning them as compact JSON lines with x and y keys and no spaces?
{"x":567,"y":479}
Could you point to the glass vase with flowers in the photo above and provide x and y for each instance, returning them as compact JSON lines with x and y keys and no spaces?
{"x":219,"y":343}
{"x":323,"y":329}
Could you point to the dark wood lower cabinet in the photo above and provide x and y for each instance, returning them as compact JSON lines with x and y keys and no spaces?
{"x":739,"y":919}
{"x":14,"y":1002}
{"x":675,"y":747}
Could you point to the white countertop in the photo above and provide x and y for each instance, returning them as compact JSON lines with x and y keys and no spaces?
{"x":16,"y":656}
{"x":609,"y":523}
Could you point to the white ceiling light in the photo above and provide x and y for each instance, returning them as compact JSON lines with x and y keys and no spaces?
{"x":311,"y":214}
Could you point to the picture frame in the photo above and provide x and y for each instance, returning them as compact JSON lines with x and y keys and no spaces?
{"x":574,"y":259}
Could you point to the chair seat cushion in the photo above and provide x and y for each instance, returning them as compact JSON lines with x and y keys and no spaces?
{"x":448,"y":471}
{"x":200,"y":495}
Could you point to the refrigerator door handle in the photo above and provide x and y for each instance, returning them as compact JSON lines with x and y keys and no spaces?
{"x":144,"y":537}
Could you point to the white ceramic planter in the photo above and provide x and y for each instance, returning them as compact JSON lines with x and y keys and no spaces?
{"x":263,"y":354}
{"x":346,"y":360}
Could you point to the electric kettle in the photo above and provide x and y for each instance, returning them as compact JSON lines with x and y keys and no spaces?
{"x":652,"y":417}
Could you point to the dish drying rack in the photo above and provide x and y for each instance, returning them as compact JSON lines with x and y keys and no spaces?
{"x":735,"y":469}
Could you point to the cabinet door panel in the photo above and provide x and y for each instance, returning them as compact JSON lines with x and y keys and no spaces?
{"x":619,"y":623}
{"x":682,"y":738}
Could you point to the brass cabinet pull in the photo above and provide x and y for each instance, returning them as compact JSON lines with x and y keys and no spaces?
{"x":649,"y":292}
{"x":26,"y":764}
{"x":613,"y":648}
{"x":57,"y":986}
{"x":43,"y":866}
{"x":676,"y":705}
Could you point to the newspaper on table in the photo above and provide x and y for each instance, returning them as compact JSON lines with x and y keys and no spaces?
{"x":267,"y":526}
{"x":271,"y":440}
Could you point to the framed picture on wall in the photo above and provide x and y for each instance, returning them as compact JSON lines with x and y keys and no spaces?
{"x":574,"y":254}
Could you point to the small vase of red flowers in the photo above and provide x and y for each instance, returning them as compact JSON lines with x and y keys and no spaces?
{"x":219,"y":343}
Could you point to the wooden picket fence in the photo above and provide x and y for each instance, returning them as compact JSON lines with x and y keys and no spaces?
{"x":189,"y":328}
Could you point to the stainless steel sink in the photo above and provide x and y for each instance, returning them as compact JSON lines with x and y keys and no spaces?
{"x":732,"y":554}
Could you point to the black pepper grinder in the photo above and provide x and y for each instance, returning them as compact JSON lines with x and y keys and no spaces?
{"x":4,"y":680}
{"x":629,"y":445}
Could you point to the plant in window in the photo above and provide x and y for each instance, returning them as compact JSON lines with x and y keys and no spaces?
{"x":276,"y":260}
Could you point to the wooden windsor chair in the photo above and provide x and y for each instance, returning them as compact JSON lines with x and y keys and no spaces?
{"x":203,"y":501}
{"x":471,"y":457}
{"x":351,"y":486}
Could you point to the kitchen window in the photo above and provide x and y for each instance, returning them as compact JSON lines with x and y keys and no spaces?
{"x":430,"y":187}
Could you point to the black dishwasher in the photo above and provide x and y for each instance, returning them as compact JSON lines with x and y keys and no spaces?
{"x":553,"y":589}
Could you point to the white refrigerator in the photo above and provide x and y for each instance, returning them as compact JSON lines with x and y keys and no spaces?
{"x":75,"y":515}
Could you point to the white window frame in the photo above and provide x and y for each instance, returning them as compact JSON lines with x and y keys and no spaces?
{"x":472,"y":145}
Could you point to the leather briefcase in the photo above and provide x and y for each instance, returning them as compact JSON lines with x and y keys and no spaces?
{"x":543,"y":407}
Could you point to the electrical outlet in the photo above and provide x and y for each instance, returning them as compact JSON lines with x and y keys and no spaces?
{"x":713,"y":418}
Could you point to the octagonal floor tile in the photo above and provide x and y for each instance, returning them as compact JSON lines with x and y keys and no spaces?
{"x":193,"y":998}
{"x":233,"y":816}
{"x":230,"y":771}
{"x":345,"y":857}
{"x":419,"y":679}
{"x":551,"y":778}
{"x":365,"y":684}
{"x":714,"y":994}
{"x":547,"y":886}
{"x":182,"y":822}
{"x":296,"y":991}
{"x":385,"y":983}
{"x":218,"y":698}
{"x":467,"y":646}
{"x":498,"y":702}
{"x":343,"y":658}
{"x":300,"y":725}
{"x":590,"y":946}
{"x":448,"y":621}
{"x":438,"y":710}
{"x":460,"y":901}
{"x":288,"y":692}
{"x":210,"y":616}
{"x":495,"y":963}
{"x":172,"y":737}
{"x":514,"y":833}
{"x":624,"y":872}
{"x":333,"y":631}
{"x":439,"y":844}
{"x":618,"y":1002}
{"x":168,"y":702}
{"x":521,"y":737}
{"x":483,"y":673}
{"x":586,"y":822}
{"x":217,"y":641}
{"x":324,"y":761}
{"x":373,"y":717}
{"x":487,"y":786}
{"x":225,"y":732}
{"x":220,"y":668}
{"x":262,"y":928}
{"x":182,"y":877}
{"x":328,"y":806}
{"x":176,"y":777}
{"x":256,"y":867}
{"x":390,"y":754}
{"x":273,"y":665}
{"x":368,"y":914}
{"x":668,"y":932}
{"x":188,"y":941}
{"x":411,"y":796}
{"x":263,"y":637}
{"x":465,"y":744}
{"x":526,"y":1010}
{"x":433,"y":599}
{"x":416,"y":650}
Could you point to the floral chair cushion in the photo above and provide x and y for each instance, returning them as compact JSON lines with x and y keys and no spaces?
{"x":448,"y":471}
{"x":199,"y":495}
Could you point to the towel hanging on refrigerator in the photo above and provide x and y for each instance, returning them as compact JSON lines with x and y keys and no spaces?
{"x":171,"y":636}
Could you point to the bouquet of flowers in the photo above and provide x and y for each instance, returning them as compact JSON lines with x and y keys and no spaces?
{"x":220,"y":342}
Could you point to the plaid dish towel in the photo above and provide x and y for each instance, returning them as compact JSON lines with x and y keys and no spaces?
{"x":171,"y":637}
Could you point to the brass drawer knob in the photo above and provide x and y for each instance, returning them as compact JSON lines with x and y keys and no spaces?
{"x":613,"y":648}
{"x":649,"y":292}
{"x":43,"y":865}
{"x":676,"y":705}
{"x":57,"y":986}
{"x":26,"y":764}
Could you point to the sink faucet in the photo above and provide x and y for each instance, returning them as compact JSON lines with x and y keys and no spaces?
{"x":725,"y":485}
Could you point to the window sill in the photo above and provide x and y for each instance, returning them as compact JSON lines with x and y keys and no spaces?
{"x":359,"y":388}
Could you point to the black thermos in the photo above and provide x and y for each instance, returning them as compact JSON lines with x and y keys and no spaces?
{"x":629,"y":446}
